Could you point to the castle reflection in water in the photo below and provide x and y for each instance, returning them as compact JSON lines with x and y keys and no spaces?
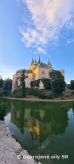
{"x":41,"y":122}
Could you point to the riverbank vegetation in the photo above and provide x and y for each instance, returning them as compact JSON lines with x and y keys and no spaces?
{"x":5,"y":87}
{"x":55,"y":87}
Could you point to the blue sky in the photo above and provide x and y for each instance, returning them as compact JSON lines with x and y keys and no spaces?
{"x":36,"y":28}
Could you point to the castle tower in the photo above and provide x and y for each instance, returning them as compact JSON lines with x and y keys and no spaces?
{"x":39,"y":60}
{"x":32,"y":61}
{"x":49,"y":63}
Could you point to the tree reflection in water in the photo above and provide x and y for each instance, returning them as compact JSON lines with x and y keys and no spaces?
{"x":41,"y":120}
{"x":4,"y":108}
{"x":43,"y":128}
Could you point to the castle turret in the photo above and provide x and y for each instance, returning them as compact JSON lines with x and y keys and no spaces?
{"x":35,"y":62}
{"x":49,"y":63}
{"x":39,"y":60}
{"x":32,"y":61}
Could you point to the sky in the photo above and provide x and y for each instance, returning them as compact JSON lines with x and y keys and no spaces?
{"x":33,"y":28}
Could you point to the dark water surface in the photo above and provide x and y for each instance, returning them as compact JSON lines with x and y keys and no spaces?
{"x":42,"y":128}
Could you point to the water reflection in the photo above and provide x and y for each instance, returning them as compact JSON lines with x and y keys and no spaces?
{"x":4,"y":108}
{"x":41,"y":122}
{"x":43,"y":128}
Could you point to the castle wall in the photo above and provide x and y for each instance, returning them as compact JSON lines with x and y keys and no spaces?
{"x":44,"y":72}
{"x":36,"y":71}
{"x":27,"y":83}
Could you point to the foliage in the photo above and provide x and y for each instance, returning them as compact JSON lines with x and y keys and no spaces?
{"x":54,"y":74}
{"x":46,"y":95}
{"x":58,"y":86}
{"x":36,"y":92}
{"x":46,"y":83}
{"x":57,"y":82}
{"x":35,"y":83}
{"x":1,"y":87}
{"x":28,"y":91}
{"x":17,"y":93}
{"x":39,"y":93}
{"x":1,"y":83}
{"x":7,"y":87}
{"x":2,"y":110}
{"x":1,"y":92}
{"x":72,"y":84}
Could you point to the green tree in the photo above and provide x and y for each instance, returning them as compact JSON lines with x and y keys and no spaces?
{"x":45,"y":81}
{"x":35,"y":83}
{"x":7,"y":87}
{"x":1,"y":87}
{"x":47,"y":84}
{"x":1,"y":83}
{"x":54,"y":74}
{"x":57,"y":82}
{"x":72,"y":84}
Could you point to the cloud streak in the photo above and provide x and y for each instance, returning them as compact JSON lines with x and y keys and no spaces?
{"x":47,"y":19}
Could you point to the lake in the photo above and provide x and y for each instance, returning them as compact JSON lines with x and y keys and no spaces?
{"x":45,"y":129}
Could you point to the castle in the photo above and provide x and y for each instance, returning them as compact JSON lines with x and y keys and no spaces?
{"x":37,"y":70}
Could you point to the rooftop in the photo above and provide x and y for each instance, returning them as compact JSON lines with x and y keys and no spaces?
{"x":35,"y":62}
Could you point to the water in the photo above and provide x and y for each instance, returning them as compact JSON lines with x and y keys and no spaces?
{"x":43,"y":129}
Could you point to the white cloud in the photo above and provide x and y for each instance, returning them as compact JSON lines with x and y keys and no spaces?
{"x":41,"y":50}
{"x":48,"y":17}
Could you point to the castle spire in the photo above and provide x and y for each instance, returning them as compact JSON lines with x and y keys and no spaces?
{"x":39,"y":60}
{"x":32,"y":60}
{"x":35,"y":61}
{"x":49,"y":63}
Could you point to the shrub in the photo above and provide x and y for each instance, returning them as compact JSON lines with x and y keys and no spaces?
{"x":46,"y":82}
{"x":17,"y":93}
{"x":2,"y":111}
{"x":28,"y":91}
{"x":1,"y":92}
{"x":46,"y":95}
{"x":57,"y":82}
{"x":36,"y":92}
{"x":72,"y":84}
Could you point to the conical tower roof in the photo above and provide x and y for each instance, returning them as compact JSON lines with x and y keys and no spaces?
{"x":49,"y":63}
{"x":39,"y":60}
{"x":32,"y":61}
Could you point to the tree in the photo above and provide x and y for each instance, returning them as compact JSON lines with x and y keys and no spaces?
{"x":1,"y":83}
{"x":47,"y":84}
{"x":7,"y":86}
{"x":58,"y":86}
{"x":72,"y":84}
{"x":1,"y":92}
{"x":22,"y":80}
{"x":1,"y":87}
{"x":54,"y":74}
{"x":57,"y":82}
{"x":35,"y":83}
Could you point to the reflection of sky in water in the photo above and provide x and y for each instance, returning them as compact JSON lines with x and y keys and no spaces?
{"x":71,"y":118}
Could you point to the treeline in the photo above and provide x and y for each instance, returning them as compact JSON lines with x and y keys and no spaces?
{"x":53,"y":87}
{"x":71,"y":85}
{"x":5,"y":87}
